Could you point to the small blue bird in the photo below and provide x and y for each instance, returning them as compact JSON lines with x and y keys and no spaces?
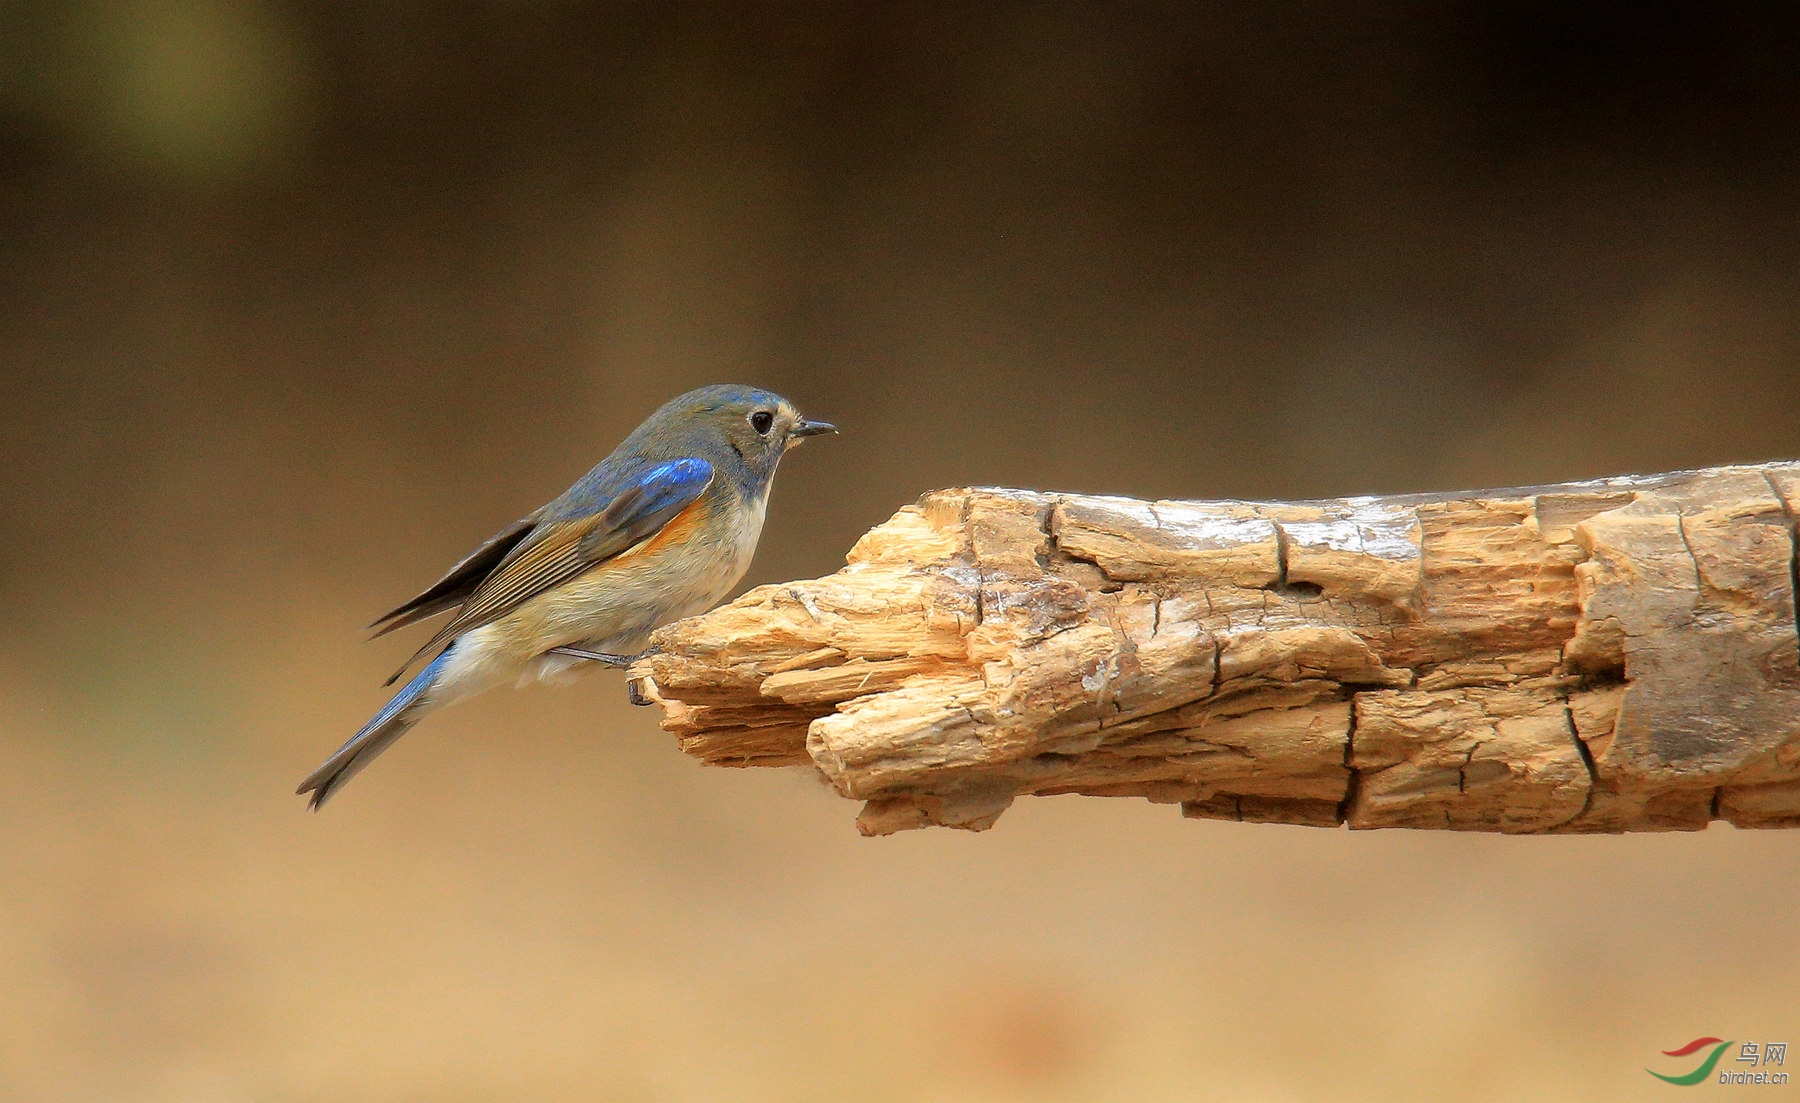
{"x":663,"y":528}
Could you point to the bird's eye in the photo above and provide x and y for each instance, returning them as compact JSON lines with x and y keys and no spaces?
{"x":762,"y":421}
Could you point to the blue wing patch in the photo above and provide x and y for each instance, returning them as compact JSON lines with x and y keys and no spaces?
{"x":643,"y":507}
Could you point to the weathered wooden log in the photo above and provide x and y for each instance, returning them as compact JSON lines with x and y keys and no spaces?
{"x":1618,"y":655}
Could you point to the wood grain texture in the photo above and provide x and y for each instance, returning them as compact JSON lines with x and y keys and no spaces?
{"x":1617,"y":655}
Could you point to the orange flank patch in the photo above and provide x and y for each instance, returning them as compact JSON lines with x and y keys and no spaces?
{"x":679,"y":528}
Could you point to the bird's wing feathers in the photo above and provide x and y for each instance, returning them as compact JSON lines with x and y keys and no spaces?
{"x":557,"y":549}
{"x":641,"y":509}
{"x":460,"y":581}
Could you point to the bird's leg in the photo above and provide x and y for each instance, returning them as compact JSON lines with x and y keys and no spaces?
{"x":595,"y":656}
{"x":631,"y":688}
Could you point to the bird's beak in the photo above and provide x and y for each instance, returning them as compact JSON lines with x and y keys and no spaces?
{"x":812,"y":428}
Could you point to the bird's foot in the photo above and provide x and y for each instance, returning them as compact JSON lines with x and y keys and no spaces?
{"x":631,"y":687}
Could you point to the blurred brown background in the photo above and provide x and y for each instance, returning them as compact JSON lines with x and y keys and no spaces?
{"x":298,"y":301}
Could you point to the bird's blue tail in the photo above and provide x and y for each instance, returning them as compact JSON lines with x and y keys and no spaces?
{"x":392,"y":722}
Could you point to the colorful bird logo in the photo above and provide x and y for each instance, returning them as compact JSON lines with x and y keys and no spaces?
{"x":1700,"y":1073}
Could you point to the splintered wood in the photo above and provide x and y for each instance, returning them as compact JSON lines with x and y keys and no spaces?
{"x":1618,"y":655}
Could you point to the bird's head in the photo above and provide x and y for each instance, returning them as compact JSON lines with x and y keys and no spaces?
{"x":746,"y":428}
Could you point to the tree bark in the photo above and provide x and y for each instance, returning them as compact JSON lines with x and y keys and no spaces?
{"x":1618,"y":655}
